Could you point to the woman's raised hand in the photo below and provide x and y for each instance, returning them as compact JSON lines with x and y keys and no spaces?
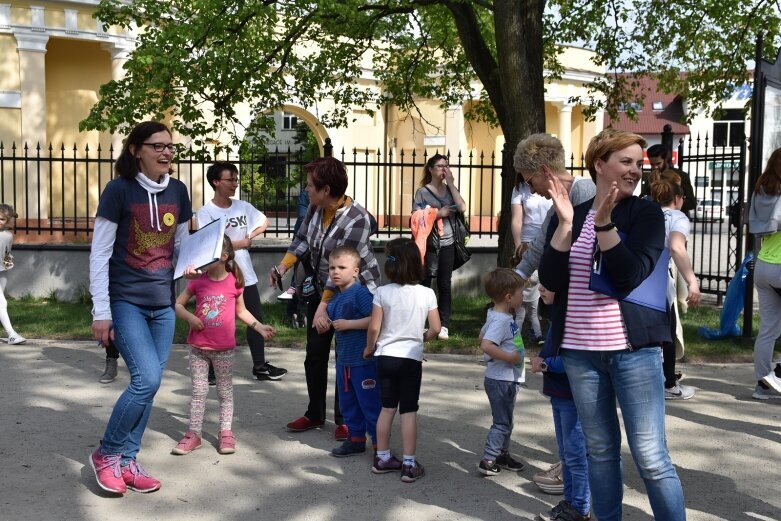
{"x":604,"y":212}
{"x":560,"y":198}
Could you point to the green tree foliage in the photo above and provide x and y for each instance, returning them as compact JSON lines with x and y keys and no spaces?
{"x":196,"y":60}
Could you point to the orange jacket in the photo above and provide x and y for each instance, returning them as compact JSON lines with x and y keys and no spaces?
{"x":421,"y":224}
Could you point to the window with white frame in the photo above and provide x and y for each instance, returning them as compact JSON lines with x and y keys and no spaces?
{"x":289,"y":121}
{"x":730,"y":129}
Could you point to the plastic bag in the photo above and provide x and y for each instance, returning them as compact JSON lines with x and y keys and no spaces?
{"x":733,"y":305}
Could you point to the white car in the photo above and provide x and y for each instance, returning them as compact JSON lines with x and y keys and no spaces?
{"x":709,"y":210}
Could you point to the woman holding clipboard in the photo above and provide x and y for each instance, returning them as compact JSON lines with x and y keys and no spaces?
{"x":610,"y":346}
{"x":142,"y":215}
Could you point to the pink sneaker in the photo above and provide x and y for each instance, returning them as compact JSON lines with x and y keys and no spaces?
{"x":227,"y":442}
{"x":189,"y":443}
{"x":137,"y":479}
{"x":106,"y":467}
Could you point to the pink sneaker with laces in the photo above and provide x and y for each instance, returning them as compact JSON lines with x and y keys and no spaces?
{"x":227,"y":444}
{"x":137,"y":479}
{"x":186,"y":445}
{"x":107,"y":473}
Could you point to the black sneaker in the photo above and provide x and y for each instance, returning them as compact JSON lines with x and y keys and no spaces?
{"x":551,"y":514}
{"x":488,"y":467}
{"x":412,"y":473}
{"x":268,"y":372}
{"x":506,"y":461}
{"x":349,"y":448}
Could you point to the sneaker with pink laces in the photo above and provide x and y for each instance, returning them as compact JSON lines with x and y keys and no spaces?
{"x":186,"y":445}
{"x":227,"y":443}
{"x":137,"y":479}
{"x":107,"y":472}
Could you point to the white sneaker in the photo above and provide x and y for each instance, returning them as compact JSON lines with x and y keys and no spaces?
{"x":772,"y":381}
{"x":443,"y":334}
{"x":16,"y":339}
{"x":287,"y":295}
{"x":679,"y":392}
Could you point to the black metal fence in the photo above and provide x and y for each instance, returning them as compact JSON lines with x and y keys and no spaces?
{"x":56,"y":192}
{"x":717,"y":242}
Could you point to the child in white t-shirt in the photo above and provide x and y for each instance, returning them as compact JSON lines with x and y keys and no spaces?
{"x":395,"y":336}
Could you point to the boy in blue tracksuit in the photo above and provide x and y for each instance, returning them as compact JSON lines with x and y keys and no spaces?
{"x":356,"y":378}
{"x":569,"y":435}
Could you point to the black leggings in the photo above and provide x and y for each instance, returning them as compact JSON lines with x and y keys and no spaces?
{"x":444,"y":282}
{"x":257,"y":346}
{"x":318,"y":350}
{"x":668,"y":354}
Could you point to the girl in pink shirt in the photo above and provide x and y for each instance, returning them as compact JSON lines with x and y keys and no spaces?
{"x":212,"y":338}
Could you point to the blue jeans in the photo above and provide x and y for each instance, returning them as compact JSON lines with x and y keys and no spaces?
{"x":635,"y":379}
{"x":572,"y":451}
{"x":501,"y":396}
{"x":143,"y":337}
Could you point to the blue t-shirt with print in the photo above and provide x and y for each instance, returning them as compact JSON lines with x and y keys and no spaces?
{"x":141,"y":266}
{"x":352,"y":304}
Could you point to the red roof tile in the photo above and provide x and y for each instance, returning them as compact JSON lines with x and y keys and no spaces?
{"x":650,"y":121}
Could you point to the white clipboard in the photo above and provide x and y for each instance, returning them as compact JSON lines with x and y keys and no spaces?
{"x":201,"y":248}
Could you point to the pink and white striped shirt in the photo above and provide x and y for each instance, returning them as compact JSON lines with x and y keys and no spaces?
{"x":593,"y":321}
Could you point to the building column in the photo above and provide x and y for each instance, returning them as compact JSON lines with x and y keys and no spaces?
{"x":32,"y":74}
{"x":565,"y":130}
{"x":599,"y":121}
{"x":120,"y":52}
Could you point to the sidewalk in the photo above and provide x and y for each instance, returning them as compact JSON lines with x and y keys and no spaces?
{"x":726,"y":447}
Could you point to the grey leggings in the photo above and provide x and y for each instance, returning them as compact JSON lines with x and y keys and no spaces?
{"x":767,"y":277}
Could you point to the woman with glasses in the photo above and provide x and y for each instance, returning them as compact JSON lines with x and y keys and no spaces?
{"x":610,"y":345}
{"x":142,"y":215}
{"x":438,"y":190}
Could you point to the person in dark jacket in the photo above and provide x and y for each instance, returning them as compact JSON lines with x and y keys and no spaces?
{"x":611,"y":346}
{"x":569,"y":433}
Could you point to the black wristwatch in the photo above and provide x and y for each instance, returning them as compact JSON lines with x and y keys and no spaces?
{"x":606,"y":228}
{"x":544,"y":366}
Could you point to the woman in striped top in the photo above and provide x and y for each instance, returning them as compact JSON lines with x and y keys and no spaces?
{"x":610,"y":346}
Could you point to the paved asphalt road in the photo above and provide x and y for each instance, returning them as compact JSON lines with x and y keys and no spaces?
{"x":726,"y":446}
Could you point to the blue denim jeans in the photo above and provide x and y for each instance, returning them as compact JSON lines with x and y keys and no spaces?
{"x":635,"y":379}
{"x":572,"y":451}
{"x":501,"y":396}
{"x":143,"y":337}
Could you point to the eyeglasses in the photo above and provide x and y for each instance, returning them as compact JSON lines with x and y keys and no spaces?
{"x":159,"y":147}
{"x":531,"y":177}
{"x":231,"y":180}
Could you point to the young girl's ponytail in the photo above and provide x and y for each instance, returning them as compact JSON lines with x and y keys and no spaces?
{"x":230,"y":262}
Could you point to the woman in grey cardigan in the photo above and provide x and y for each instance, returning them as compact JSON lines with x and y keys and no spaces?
{"x":764,"y":220}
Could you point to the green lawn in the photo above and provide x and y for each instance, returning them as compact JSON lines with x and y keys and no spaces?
{"x":47,"y":318}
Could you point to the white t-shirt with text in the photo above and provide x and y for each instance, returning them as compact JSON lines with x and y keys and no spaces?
{"x":241,"y":218}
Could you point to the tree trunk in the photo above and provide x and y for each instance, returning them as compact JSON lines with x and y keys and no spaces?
{"x":519,"y":48}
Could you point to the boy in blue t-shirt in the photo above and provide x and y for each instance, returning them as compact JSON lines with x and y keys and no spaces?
{"x":356,"y":378}
{"x":500,"y":340}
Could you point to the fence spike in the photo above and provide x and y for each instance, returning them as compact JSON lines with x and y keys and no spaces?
{"x":50,"y":147}
{"x":38,"y":147}
{"x":62,"y":148}
{"x":86,"y":148}
{"x":99,"y":150}
{"x":75,"y":149}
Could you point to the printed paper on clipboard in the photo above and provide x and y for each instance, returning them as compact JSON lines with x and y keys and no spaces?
{"x":651,"y":293}
{"x":201,"y":248}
